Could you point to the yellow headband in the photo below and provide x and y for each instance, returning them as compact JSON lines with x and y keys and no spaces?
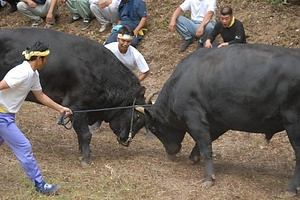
{"x":28,"y":55}
{"x":232,"y":22}
{"x":124,"y":36}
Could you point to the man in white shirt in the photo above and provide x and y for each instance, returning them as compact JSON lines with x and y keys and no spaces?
{"x":13,"y":90}
{"x":199,"y":26}
{"x":106,"y":12}
{"x":127,"y":54}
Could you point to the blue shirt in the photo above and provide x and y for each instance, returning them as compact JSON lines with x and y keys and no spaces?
{"x":131,"y":17}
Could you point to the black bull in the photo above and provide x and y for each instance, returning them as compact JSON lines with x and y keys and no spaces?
{"x":253,"y":88}
{"x":81,"y":74}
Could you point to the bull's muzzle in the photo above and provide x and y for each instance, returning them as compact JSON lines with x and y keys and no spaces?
{"x":127,"y":142}
{"x":172,"y":149}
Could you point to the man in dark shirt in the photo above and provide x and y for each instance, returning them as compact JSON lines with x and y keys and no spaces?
{"x":231,"y":30}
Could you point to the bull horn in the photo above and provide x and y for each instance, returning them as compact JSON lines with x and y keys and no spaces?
{"x":149,"y":97}
{"x":140,"y":109}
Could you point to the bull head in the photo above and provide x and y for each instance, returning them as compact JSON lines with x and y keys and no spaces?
{"x":137,"y":121}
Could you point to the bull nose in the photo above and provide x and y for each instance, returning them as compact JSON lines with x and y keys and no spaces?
{"x":124,"y":142}
{"x":173,"y":149}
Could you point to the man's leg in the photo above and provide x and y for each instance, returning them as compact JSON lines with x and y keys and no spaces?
{"x":13,"y":6}
{"x":83,"y":8}
{"x":21,"y":147}
{"x":27,"y":11}
{"x":101,"y":14}
{"x":187,"y":29}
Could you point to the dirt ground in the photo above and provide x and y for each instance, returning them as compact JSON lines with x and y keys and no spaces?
{"x":246,"y":166}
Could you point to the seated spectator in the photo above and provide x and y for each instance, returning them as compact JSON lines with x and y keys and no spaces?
{"x":13,"y":6}
{"x":38,"y":9}
{"x":106,"y":12}
{"x":133,"y":14}
{"x":231,"y":30}
{"x":201,"y":23}
{"x":127,"y":54}
{"x":79,"y":9}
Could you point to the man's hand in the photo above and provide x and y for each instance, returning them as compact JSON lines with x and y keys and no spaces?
{"x":49,"y":17}
{"x":68,"y":111}
{"x":172,"y":26}
{"x":102,"y":4}
{"x":223,"y":44}
{"x":136,"y":32}
{"x":208,"y":44}
{"x":200,"y":31}
{"x":31,"y":4}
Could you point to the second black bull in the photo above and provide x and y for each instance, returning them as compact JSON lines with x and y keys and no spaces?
{"x":83,"y":75}
{"x":253,"y":88}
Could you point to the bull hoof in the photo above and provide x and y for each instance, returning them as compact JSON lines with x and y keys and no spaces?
{"x":207,"y":184}
{"x":194,"y":159}
{"x":84,"y":164}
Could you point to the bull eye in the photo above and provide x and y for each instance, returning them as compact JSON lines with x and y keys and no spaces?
{"x":152,"y":129}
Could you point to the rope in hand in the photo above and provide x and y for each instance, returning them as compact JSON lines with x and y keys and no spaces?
{"x":65,"y":120}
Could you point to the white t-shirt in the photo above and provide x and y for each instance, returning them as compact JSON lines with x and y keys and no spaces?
{"x":114,"y":3}
{"x":132,"y":58}
{"x":21,"y":80}
{"x":199,"y":8}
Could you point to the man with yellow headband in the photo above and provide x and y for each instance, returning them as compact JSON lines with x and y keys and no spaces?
{"x":231,"y":30}
{"x":13,"y":90}
{"x":127,"y":54}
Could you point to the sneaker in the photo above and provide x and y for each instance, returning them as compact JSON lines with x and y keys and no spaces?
{"x":46,"y":188}
{"x":186,"y":44}
{"x":12,"y":9}
{"x":103,"y":28}
{"x":85,"y":24}
{"x":73,"y":19}
{"x":36,"y":23}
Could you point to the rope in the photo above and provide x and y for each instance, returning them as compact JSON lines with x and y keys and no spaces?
{"x":65,"y":120}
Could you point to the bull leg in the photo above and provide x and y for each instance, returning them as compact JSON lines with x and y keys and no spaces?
{"x":195,"y":154}
{"x":199,"y":131}
{"x":216,"y":131}
{"x":84,"y":137}
{"x":205,"y":146}
{"x":293,"y":132}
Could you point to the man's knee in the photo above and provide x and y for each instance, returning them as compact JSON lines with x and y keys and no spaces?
{"x":21,"y":6}
{"x":93,"y":7}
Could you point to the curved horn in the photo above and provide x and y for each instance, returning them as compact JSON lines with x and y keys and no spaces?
{"x":140,"y":109}
{"x":150,"y":96}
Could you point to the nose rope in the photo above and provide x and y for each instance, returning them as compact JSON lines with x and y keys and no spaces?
{"x":129,"y":139}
